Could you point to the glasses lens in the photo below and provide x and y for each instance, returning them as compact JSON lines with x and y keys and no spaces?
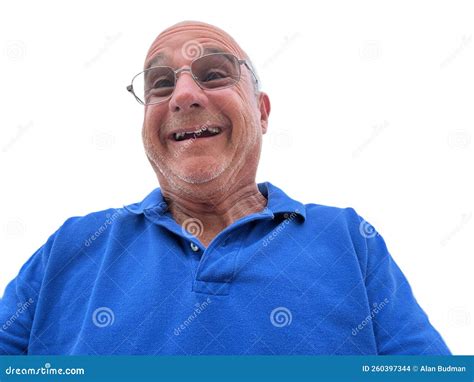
{"x":216,"y":70}
{"x":154,"y":85}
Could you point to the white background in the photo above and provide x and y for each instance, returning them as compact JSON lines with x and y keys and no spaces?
{"x":372,"y":107}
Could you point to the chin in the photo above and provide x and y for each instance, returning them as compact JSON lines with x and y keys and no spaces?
{"x":200,"y":173}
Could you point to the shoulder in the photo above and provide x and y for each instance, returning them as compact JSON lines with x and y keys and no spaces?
{"x":342,"y":225}
{"x":80,"y":233}
{"x":345,"y":217}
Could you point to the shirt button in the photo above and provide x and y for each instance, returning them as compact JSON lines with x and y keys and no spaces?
{"x":194,"y":247}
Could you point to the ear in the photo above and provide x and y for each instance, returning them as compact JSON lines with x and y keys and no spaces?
{"x":264,"y":106}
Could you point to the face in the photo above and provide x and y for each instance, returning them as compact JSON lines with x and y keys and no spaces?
{"x":227,"y":123}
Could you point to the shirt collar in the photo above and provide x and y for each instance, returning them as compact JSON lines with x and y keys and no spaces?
{"x":278,"y":202}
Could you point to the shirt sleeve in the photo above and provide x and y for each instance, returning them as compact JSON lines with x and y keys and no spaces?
{"x":400,"y":325}
{"x":18,"y":304}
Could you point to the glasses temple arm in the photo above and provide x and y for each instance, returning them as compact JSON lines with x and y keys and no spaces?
{"x":130,"y":89}
{"x":250,"y":69}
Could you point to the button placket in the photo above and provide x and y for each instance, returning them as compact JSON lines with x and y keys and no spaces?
{"x":216,"y":268}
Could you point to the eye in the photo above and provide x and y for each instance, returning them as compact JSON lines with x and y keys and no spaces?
{"x":213,"y":75}
{"x":163,"y":82}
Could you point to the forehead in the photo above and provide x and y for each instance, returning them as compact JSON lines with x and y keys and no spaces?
{"x":186,"y":42}
{"x":164,"y":58}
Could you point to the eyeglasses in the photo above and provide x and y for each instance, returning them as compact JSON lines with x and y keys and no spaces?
{"x":210,"y":72}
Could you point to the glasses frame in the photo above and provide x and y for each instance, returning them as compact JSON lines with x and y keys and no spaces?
{"x":188,"y":69}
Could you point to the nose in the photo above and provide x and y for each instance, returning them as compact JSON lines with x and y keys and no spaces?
{"x":187,"y":95}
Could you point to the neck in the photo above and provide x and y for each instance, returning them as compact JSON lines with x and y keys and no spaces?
{"x":217,"y":210}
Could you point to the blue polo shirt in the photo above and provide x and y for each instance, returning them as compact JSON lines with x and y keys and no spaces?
{"x":291,"y":279}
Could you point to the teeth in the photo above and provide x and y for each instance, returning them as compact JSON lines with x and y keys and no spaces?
{"x":179,"y":136}
{"x":213,"y":130}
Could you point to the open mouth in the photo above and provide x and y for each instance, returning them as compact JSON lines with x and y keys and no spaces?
{"x":203,"y":132}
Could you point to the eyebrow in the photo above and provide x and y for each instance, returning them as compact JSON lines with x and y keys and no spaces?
{"x":160,"y":58}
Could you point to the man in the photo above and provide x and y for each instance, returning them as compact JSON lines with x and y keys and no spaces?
{"x":211,"y":262}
